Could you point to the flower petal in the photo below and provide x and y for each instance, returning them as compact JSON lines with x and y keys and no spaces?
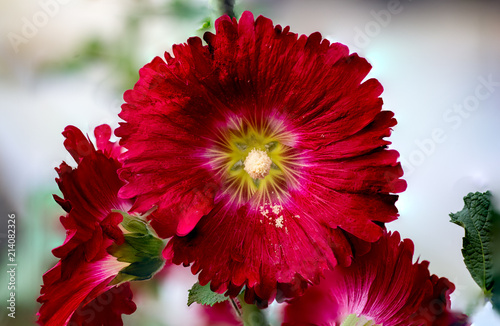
{"x":105,"y":309}
{"x":270,"y":251}
{"x":61,"y":296}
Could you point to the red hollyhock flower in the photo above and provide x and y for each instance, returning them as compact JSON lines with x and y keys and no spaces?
{"x":383,"y":287}
{"x":260,"y":150}
{"x":76,"y":291}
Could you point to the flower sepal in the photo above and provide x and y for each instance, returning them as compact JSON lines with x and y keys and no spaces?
{"x":141,"y":248}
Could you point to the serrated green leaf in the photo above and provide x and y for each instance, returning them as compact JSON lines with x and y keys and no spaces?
{"x":478,"y":218}
{"x":203,"y":295}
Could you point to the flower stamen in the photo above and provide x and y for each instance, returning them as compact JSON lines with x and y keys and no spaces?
{"x":257,"y":164}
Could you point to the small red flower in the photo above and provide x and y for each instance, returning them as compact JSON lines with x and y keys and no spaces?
{"x":261,"y":151}
{"x":76,"y":290}
{"x":383,"y":286}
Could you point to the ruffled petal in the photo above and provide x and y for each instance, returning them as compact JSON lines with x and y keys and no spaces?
{"x":90,"y":192}
{"x":268,"y":255}
{"x":435,"y":309}
{"x":105,"y":309}
{"x":61,"y":298}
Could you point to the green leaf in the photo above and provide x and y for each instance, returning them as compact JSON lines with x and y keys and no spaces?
{"x":478,"y":218}
{"x":203,"y":295}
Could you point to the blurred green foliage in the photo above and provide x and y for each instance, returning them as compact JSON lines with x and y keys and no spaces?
{"x":122,"y":55}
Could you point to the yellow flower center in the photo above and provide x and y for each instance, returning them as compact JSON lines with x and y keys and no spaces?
{"x":253,"y":161}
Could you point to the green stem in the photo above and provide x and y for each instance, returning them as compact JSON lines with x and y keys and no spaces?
{"x":235,"y":306}
{"x":250,"y":314}
{"x":227,"y":7}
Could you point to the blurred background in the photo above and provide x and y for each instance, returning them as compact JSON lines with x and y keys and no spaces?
{"x":68,"y":62}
